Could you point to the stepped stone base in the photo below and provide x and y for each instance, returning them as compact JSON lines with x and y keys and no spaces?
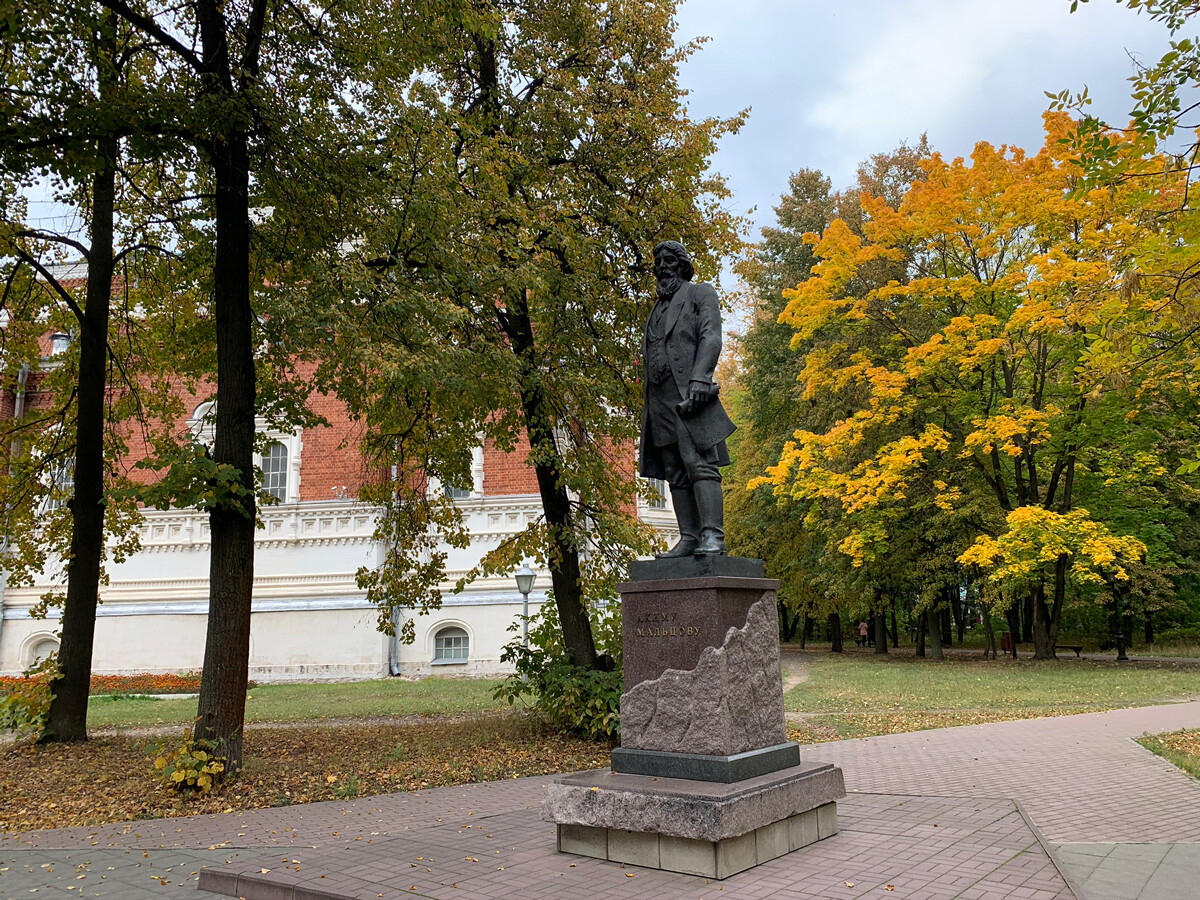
{"x":694,"y":827}
{"x":706,"y":767}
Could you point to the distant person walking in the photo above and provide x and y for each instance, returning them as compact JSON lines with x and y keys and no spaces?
{"x":863,"y":632}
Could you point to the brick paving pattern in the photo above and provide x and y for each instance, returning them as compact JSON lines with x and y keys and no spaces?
{"x":1080,"y":778}
{"x":931,"y":817}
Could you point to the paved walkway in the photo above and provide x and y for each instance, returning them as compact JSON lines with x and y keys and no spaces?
{"x":931,"y":815}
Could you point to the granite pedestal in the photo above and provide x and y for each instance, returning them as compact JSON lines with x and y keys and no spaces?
{"x":705,"y":781}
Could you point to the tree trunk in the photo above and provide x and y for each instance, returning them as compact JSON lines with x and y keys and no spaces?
{"x":1043,"y":643}
{"x":810,"y":623}
{"x":67,"y":718}
{"x":881,"y":634}
{"x":933,"y":624}
{"x":956,"y":607}
{"x":804,"y":630}
{"x":222,"y":705}
{"x":1026,"y":621}
{"x":563,"y":552}
{"x":835,"y":632}
{"x":783,"y":620}
{"x":989,"y":635}
{"x":921,"y":627}
{"x":1013,"y":616}
{"x":947,"y":627}
{"x":895,"y":628}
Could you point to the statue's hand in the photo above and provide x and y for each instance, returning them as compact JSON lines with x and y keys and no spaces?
{"x":697,"y":394}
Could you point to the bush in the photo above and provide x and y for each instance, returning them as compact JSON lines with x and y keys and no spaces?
{"x":586,"y":702}
{"x":192,"y":765}
{"x":25,"y":701}
{"x":1178,"y":636}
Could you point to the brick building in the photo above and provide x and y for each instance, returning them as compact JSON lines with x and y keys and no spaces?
{"x":310,"y":619}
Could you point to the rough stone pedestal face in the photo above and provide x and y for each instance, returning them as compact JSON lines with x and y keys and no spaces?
{"x":703,"y":698}
{"x":694,"y":827}
{"x":705,"y":780}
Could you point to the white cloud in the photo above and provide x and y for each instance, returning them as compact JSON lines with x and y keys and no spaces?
{"x":831,"y":84}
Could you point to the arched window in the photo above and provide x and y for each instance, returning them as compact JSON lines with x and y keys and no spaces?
{"x":39,"y":650}
{"x":275,"y":471}
{"x":451,"y":645}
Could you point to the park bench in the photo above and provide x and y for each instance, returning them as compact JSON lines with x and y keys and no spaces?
{"x":1078,"y":648}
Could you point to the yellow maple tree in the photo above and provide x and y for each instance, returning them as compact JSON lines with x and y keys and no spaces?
{"x":962,"y":396}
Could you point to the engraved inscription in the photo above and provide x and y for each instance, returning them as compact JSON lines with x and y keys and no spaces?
{"x":662,"y":624}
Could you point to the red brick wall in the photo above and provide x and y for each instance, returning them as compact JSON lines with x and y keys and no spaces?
{"x":507,"y":473}
{"x":330,"y":459}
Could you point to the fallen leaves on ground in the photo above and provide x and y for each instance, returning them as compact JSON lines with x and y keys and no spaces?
{"x":109,"y":779}
{"x":1179,"y":747}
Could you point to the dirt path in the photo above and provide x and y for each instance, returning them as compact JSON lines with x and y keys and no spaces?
{"x":795,"y":670}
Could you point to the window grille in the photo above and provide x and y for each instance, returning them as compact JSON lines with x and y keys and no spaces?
{"x":62,"y":484}
{"x":451,"y":645}
{"x":274,"y":469}
{"x":659,"y":502}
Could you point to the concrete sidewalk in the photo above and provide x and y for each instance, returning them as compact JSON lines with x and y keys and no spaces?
{"x":931,"y":816}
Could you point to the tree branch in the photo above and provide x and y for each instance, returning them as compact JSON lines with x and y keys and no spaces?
{"x":152,"y":28}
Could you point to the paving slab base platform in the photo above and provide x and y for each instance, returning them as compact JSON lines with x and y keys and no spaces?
{"x":487,"y":842}
{"x":712,"y":859}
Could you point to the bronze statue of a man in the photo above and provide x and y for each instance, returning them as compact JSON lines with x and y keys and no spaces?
{"x":684,"y":426}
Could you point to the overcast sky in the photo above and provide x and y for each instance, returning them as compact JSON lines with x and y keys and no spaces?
{"x":830,"y":83}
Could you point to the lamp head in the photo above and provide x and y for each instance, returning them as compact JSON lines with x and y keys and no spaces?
{"x":525,"y":579}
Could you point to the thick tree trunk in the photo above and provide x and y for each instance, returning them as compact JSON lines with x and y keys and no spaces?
{"x":1043,"y":639}
{"x":563,"y":552}
{"x":835,"y":632}
{"x":809,"y":624}
{"x":881,"y":634}
{"x":222,"y":705}
{"x":67,"y":718}
{"x":805,"y":629}
{"x":933,"y":624}
{"x":783,"y":621}
{"x":1026,"y":621}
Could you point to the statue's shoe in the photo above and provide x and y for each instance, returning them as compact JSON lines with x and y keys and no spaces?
{"x":712,"y":543}
{"x":686,"y":546}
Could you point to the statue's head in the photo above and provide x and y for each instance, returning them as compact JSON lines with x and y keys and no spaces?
{"x":672,"y":267}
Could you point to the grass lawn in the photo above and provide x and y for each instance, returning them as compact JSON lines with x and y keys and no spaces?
{"x":1179,"y":747}
{"x":860,"y":694}
{"x":299,"y":702}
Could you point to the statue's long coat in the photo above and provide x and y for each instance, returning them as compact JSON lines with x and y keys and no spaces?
{"x":693,"y":336}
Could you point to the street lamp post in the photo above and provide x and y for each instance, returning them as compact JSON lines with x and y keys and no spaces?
{"x":525,"y":579}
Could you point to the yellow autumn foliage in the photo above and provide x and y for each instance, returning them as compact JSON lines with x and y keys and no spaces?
{"x":964,"y":377}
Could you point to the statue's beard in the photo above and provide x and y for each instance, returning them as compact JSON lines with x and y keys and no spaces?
{"x":668,"y":285}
